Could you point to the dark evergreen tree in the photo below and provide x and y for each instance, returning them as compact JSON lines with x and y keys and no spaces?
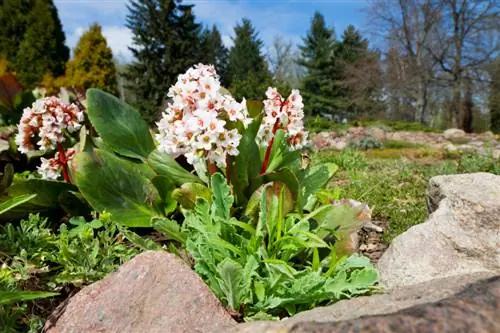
{"x":13,"y":20}
{"x":166,"y":39}
{"x":319,"y":85}
{"x":351,"y":52}
{"x":32,"y":39}
{"x":353,"y":46}
{"x":494,"y":99}
{"x":214,"y":52}
{"x":92,"y":65}
{"x":248,"y":73}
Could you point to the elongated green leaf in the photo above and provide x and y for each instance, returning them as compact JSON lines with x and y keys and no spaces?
{"x":170,"y":229}
{"x":112,"y":184}
{"x":49,"y":194}
{"x":165,"y":165}
{"x":9,"y":204}
{"x":119,"y":125}
{"x":144,"y":244}
{"x":244,"y":169}
{"x":222,"y":198}
{"x":231,"y":274}
{"x":281,"y":155}
{"x":316,"y":178}
{"x":9,"y":297}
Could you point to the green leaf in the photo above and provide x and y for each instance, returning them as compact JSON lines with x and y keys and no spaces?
{"x":281,"y":155}
{"x":222,"y":198}
{"x":231,"y":274}
{"x":9,"y":297}
{"x":112,"y":184}
{"x":165,"y":188}
{"x":144,"y":244}
{"x":260,"y":290}
{"x":170,"y":229}
{"x":317,"y":177}
{"x":49,"y":194}
{"x":11,"y":203}
{"x":165,"y":165}
{"x":119,"y":125}
{"x":187,"y":194}
{"x":362,"y":280}
{"x":245,"y":168}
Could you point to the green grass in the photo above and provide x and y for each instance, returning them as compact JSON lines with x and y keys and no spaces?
{"x":395,"y":187}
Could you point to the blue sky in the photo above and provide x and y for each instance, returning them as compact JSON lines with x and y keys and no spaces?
{"x":287,"y":18}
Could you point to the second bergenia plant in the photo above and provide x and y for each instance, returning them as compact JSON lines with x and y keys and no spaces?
{"x":46,"y":127}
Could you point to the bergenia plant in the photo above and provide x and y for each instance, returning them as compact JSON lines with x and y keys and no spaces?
{"x":45,"y":127}
{"x":285,"y":114}
{"x":199,"y":122}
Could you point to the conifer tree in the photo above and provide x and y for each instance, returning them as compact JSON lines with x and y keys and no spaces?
{"x":32,"y":39}
{"x":166,"y":43}
{"x":319,"y":85}
{"x":353,"y":46}
{"x":248,"y":73}
{"x":214,"y":52}
{"x":350,"y":52}
{"x":92,"y":65}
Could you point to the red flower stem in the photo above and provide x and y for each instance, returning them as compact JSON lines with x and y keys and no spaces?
{"x":64,"y":162}
{"x":263,"y":169}
{"x":212,"y":168}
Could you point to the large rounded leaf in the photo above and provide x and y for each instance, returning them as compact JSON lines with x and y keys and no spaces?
{"x":113,"y":184}
{"x":120,"y":126}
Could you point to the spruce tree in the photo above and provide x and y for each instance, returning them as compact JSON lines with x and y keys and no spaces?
{"x":92,"y":65}
{"x":350,"y":52}
{"x":166,"y":39}
{"x":248,"y":73}
{"x":494,"y":98}
{"x":319,"y":85}
{"x":353,"y":46}
{"x":214,"y":52}
{"x":32,"y":39}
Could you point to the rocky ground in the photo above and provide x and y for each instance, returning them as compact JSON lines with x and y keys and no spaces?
{"x":451,"y":140}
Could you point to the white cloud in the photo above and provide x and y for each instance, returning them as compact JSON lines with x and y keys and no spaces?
{"x":118,"y":38}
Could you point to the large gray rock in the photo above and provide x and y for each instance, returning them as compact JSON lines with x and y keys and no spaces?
{"x":401,"y":305}
{"x":156,"y":292}
{"x":461,"y":236}
{"x":455,"y":135}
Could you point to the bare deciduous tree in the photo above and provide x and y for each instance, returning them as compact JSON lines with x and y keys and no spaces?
{"x":408,"y":26}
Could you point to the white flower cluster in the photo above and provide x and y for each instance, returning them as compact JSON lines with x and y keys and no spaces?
{"x":283,"y":114}
{"x":51,"y":168}
{"x":48,"y":119}
{"x":196,"y":120}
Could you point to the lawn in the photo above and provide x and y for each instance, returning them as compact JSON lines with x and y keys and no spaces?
{"x":393,"y":181}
